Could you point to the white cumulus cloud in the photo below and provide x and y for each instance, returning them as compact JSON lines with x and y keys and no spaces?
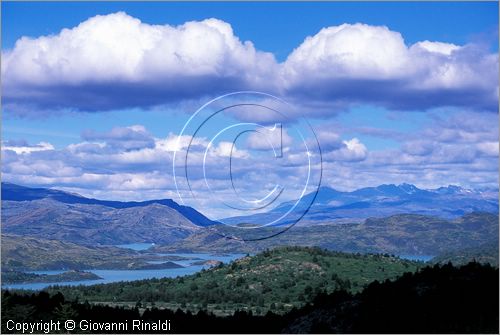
{"x":359,"y":63}
{"x":107,"y":50}
{"x":116,"y":61}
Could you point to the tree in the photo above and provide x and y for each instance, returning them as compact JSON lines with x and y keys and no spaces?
{"x":240,"y":281}
{"x":66,"y":312}
{"x":308,"y":289}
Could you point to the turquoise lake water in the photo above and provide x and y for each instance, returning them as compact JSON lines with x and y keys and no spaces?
{"x":136,"y":246}
{"x":422,"y":258}
{"x":110,"y":276}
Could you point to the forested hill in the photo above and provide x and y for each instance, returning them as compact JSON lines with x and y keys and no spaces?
{"x":277,"y":279}
{"x":484,"y":253}
{"x":439,"y":299}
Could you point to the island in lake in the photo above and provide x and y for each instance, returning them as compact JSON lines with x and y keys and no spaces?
{"x":18,"y":277}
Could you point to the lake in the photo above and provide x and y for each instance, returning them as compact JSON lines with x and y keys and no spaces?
{"x":421,"y":258}
{"x":136,"y":246}
{"x":110,"y":276}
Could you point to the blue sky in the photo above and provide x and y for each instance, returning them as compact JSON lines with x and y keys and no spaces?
{"x":396,"y":92}
{"x":277,"y":30}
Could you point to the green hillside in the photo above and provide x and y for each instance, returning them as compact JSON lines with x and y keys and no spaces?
{"x":272,"y":280}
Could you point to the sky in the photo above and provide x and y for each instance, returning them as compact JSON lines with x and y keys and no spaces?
{"x":104,"y":99}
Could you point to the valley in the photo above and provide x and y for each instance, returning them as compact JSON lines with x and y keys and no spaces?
{"x":44,"y":229}
{"x":157,"y":256}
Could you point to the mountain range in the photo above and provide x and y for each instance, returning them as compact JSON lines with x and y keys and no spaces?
{"x":333,"y":206}
{"x":389,"y":218}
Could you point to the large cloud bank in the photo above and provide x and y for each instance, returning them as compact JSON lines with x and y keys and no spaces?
{"x":116,"y":61}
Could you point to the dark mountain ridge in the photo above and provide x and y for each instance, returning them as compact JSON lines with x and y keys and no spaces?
{"x":58,"y":215}
{"x":13,"y":192}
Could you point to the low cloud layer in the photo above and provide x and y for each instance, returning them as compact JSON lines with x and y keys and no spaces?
{"x":116,"y":61}
{"x":459,"y":149}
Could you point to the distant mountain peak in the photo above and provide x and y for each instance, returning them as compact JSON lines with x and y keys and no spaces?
{"x":331,"y":205}
{"x":409,"y":188}
{"x":327,"y":189}
{"x":453,"y":189}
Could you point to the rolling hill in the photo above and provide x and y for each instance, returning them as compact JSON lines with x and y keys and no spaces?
{"x":486,"y":253}
{"x":289,"y":276}
{"x":403,"y":234}
{"x":29,"y":253}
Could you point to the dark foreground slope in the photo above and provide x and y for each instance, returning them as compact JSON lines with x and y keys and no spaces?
{"x":439,"y":299}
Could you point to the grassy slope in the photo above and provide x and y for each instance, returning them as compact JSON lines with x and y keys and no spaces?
{"x":286,"y":277}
